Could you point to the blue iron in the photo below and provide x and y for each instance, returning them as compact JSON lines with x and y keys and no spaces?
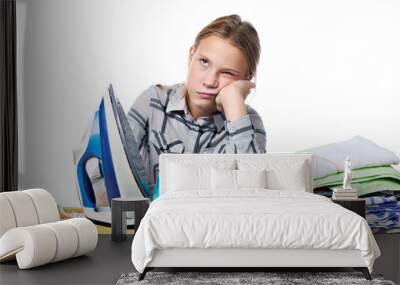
{"x":110,"y":140}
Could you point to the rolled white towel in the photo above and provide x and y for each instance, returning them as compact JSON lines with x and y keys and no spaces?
{"x":26,"y":208}
{"x":45,"y":205}
{"x":7,"y":217}
{"x":40,"y":244}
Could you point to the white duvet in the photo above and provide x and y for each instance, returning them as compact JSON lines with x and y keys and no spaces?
{"x":253,"y":218}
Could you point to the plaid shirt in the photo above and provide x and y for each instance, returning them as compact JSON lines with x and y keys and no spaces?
{"x":161,"y":122}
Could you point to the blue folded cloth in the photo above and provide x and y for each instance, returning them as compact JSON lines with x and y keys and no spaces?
{"x":379,"y":200}
{"x":383,"y":213}
{"x":382,"y":217}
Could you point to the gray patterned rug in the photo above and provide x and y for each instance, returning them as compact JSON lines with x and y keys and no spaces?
{"x":229,"y":278}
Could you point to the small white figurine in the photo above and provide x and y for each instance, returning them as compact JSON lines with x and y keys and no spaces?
{"x":347,"y":174}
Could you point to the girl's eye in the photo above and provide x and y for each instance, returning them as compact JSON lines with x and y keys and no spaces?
{"x":229,"y":73}
{"x":203,"y":60}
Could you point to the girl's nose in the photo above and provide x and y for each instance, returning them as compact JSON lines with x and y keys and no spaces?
{"x":211,"y":80}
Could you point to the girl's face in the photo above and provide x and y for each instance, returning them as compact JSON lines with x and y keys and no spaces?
{"x":213,"y":65}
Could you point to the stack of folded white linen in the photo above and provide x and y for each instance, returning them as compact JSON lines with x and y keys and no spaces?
{"x":374,"y":167}
{"x":344,"y":194}
{"x":375,"y":175}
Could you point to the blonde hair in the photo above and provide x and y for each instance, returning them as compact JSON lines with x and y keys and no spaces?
{"x":241,"y":34}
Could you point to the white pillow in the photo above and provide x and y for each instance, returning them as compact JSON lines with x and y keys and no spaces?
{"x":291,"y":179}
{"x":187,"y":176}
{"x":181,"y":177}
{"x":282,"y":174}
{"x":228,"y":179}
{"x":251,"y":178}
{"x":223,"y":179}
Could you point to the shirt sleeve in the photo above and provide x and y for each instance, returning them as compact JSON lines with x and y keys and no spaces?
{"x":246,"y":135}
{"x":138,"y":118}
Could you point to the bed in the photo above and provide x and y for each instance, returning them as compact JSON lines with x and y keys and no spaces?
{"x":247,"y":210}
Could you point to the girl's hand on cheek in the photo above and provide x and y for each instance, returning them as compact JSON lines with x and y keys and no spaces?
{"x":230,"y":99}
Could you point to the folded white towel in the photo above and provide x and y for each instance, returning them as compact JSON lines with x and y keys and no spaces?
{"x":329,"y":159}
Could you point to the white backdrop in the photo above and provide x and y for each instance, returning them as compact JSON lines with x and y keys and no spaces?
{"x":329,"y":70}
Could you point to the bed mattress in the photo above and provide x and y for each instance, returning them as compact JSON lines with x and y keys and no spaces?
{"x":250,"y":219}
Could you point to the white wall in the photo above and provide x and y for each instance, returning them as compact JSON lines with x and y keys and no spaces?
{"x":329,"y":70}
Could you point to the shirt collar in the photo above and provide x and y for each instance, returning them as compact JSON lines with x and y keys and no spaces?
{"x":177,"y":102}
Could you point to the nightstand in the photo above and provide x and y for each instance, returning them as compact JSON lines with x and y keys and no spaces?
{"x":355,"y":205}
{"x":388,"y":263}
{"x":119,"y":207}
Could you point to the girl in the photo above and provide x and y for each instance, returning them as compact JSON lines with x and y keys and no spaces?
{"x":207,"y":113}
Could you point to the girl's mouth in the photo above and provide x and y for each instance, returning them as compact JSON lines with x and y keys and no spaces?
{"x":207,"y":95}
